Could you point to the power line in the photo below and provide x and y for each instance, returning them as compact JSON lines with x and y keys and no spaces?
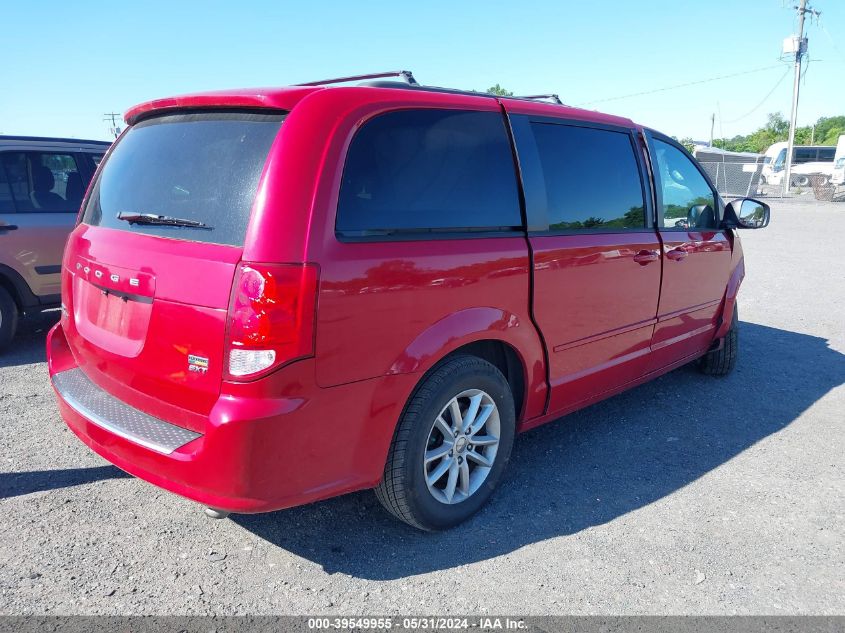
{"x":830,"y":37}
{"x":691,"y":83}
{"x":763,"y":100}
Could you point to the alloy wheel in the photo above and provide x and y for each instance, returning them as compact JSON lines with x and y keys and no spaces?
{"x":462,"y":446}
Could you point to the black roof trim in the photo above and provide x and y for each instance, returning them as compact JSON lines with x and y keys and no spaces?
{"x":408,"y":82}
{"x":551,"y":97}
{"x":398,"y":85}
{"x":406,"y":75}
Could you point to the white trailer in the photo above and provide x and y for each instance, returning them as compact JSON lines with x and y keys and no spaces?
{"x":838,"y":176}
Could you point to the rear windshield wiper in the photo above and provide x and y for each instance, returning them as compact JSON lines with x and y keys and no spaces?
{"x":162,"y":220}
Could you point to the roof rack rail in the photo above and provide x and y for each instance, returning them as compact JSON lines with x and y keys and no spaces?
{"x":407,"y":75}
{"x":550,"y":97}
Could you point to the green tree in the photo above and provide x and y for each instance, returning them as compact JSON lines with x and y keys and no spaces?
{"x":829,"y":129}
{"x":777,"y":125}
{"x":804,"y":135}
{"x":688,"y":143}
{"x":499,"y":91}
{"x":827,"y":132}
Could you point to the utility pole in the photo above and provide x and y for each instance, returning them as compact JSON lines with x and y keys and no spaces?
{"x":112,"y":116}
{"x":712,"y":125}
{"x":800,"y":49}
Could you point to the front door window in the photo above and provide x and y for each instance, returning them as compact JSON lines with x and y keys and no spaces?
{"x":688,"y":201}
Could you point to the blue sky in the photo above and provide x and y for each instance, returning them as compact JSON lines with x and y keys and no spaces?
{"x":68,"y":63}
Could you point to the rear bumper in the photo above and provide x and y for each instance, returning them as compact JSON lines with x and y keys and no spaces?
{"x":259,"y":451}
{"x":107,"y":412}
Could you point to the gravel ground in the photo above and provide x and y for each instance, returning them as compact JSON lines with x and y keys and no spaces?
{"x":688,"y":495}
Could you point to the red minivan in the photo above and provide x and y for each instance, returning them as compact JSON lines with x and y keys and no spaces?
{"x":276,"y":296}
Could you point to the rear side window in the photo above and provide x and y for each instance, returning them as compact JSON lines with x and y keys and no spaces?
{"x":7,"y":203}
{"x":805,"y":155}
{"x":592,"y":178}
{"x":198,"y":167}
{"x":40,"y":182}
{"x":429,"y":171}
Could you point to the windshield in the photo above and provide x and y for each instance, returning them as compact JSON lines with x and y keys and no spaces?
{"x":198,"y":171}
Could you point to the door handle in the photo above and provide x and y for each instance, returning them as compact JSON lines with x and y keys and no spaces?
{"x":644,"y":257}
{"x":677,"y":254}
{"x":8,"y":227}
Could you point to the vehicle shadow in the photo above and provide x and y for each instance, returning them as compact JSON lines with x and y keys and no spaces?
{"x":24,"y":483}
{"x":28,"y":346}
{"x":583,"y":470}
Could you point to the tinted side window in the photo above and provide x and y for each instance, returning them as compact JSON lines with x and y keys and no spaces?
{"x":41,"y":182}
{"x":805,"y":155}
{"x":418,"y":170}
{"x":7,"y":203}
{"x":827,"y":154}
{"x":688,"y":201}
{"x":592,"y":178}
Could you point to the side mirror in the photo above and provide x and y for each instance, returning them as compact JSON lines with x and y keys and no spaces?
{"x":700,"y":216}
{"x":746,"y":213}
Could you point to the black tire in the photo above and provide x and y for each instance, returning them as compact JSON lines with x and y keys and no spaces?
{"x":8,"y":318}
{"x":403,"y":490}
{"x":722,"y":361}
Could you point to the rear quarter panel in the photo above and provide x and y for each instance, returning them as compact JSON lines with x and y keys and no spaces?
{"x":390,"y":308}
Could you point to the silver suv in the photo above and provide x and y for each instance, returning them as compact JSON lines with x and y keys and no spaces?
{"x":42,"y":181}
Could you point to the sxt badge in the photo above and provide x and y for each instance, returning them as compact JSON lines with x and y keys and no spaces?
{"x":197,"y":364}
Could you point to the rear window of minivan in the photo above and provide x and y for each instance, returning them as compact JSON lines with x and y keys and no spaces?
{"x":201,"y":167}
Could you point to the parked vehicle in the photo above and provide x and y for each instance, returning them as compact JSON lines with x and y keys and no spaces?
{"x":279,"y":296}
{"x":806,"y":161}
{"x":41,"y":185}
{"x":838,"y":177}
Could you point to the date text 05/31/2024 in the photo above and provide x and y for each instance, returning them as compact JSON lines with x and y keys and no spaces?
{"x":420,"y":623}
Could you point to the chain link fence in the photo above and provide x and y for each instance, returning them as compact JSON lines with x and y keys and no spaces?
{"x":735,"y":179}
{"x":743,"y":179}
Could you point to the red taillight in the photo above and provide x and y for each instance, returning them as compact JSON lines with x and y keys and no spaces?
{"x":271,"y":317}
